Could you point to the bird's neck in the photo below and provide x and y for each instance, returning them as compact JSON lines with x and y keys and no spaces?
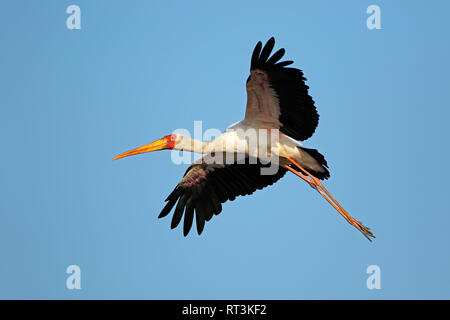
{"x":193,"y":145}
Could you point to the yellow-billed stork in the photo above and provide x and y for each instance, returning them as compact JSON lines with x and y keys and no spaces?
{"x":278,"y":104}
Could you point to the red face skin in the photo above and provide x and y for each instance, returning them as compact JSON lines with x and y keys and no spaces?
{"x":171,"y":138}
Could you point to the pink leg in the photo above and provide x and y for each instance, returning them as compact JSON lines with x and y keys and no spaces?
{"x":316,"y":184}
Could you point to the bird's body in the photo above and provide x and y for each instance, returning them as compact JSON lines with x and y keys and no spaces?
{"x":240,"y":138}
{"x":255,"y":152}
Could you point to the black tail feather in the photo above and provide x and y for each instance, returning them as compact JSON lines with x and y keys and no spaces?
{"x":325,"y":174}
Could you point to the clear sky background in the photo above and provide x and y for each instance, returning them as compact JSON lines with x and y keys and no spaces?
{"x":137,"y":70}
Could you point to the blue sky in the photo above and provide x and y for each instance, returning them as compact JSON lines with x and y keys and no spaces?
{"x":72,"y":99}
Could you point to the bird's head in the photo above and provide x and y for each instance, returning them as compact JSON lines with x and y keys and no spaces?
{"x":167,"y":142}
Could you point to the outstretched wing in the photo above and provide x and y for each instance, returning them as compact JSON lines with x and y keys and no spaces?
{"x":277,"y":96}
{"x":205,"y":186}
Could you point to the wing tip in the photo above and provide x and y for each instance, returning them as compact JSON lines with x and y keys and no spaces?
{"x":261,"y":56}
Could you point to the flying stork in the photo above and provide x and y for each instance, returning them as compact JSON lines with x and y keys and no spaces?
{"x":277,"y":101}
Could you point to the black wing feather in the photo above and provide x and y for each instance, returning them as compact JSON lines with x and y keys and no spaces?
{"x":276,"y":56}
{"x":188,"y":218}
{"x":222,"y":183}
{"x":265,"y":53}
{"x":178,"y":213}
{"x":199,"y":216}
{"x":255,"y":55}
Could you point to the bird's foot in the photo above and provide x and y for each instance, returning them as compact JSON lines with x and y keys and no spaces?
{"x":364,"y":230}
